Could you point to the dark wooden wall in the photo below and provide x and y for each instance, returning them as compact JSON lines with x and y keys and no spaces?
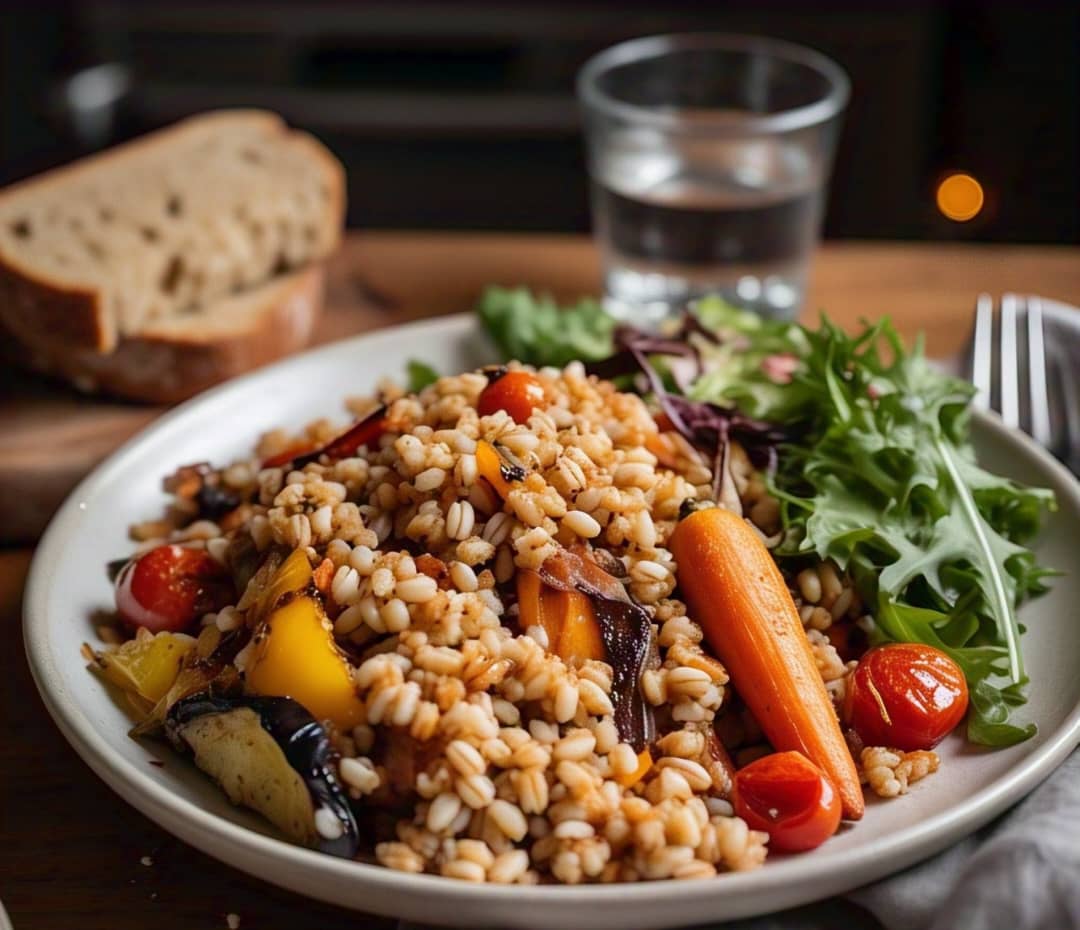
{"x":461,"y":114}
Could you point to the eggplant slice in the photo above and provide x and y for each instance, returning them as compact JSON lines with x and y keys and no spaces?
{"x":269,"y":754}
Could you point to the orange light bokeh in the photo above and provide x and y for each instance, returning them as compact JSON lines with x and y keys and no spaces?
{"x":960,"y":197}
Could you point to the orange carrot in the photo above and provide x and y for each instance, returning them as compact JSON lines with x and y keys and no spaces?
{"x":489,"y":464}
{"x":566,"y":616}
{"x":530,"y":589}
{"x":737,"y":594}
{"x":660,"y":444}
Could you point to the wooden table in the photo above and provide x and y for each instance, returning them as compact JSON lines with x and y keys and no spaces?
{"x":72,"y":854}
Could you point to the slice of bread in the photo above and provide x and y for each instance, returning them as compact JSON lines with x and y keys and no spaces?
{"x":174,"y":357}
{"x":150,"y":236}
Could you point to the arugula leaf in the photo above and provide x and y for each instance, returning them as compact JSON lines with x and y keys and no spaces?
{"x":975,"y":541}
{"x":420,"y":375}
{"x":536,"y":330}
{"x":882,"y":479}
{"x":988,"y":723}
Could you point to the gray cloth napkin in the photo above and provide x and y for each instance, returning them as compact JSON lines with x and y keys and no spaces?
{"x":1021,"y":872}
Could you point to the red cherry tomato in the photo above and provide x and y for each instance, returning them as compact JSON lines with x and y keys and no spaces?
{"x":516,"y":392}
{"x":169,"y":588}
{"x":906,"y":695}
{"x":790,"y":798}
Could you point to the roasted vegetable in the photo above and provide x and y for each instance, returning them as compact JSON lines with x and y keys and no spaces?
{"x":625,"y":631}
{"x":206,"y":667}
{"x":284,"y":578}
{"x":271,"y":755}
{"x":737,"y":594}
{"x":147,"y":665}
{"x":496,"y":469}
{"x":155,"y":670}
{"x":363,"y":432}
{"x":294,"y":653}
{"x":567,"y":617}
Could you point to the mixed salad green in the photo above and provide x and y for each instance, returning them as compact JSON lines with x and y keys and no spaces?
{"x":867,"y":448}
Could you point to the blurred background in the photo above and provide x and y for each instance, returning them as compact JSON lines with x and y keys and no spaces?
{"x":462,"y":115}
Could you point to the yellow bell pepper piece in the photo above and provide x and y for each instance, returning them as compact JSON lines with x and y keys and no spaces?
{"x":148,"y":665}
{"x":294,"y":574}
{"x":295,"y":656}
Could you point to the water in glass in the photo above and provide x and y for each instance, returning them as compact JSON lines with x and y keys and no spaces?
{"x":732,"y":216}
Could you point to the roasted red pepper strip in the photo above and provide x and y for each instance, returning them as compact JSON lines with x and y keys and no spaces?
{"x":361,"y":433}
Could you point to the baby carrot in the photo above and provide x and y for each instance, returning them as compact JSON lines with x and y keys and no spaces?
{"x":737,"y":594}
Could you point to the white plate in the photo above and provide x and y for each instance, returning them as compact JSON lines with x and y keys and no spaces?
{"x":67,"y":583}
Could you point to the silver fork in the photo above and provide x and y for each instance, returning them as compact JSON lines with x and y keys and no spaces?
{"x":1028,"y":380}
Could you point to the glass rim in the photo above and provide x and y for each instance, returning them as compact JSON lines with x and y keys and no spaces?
{"x":726,"y":123}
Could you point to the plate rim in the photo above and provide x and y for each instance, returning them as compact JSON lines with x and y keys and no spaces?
{"x":219,"y":837}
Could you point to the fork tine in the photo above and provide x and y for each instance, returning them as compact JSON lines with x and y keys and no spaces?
{"x":982,"y":350}
{"x":1010,"y":377}
{"x":1037,"y":393}
{"x":1071,"y":414}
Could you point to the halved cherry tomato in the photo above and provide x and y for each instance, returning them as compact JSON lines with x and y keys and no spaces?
{"x":169,"y":588}
{"x":906,"y":695}
{"x":790,"y":798}
{"x":516,"y":392}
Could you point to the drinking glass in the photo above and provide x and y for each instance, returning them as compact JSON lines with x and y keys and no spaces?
{"x":709,"y":157}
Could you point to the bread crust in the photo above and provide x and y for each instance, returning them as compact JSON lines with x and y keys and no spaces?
{"x":75,"y":314}
{"x":71,"y":315}
{"x":172,"y":363}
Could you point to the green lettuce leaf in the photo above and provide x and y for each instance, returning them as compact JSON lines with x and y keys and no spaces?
{"x":536,"y":330}
{"x":733,"y":365}
{"x":420,"y":375}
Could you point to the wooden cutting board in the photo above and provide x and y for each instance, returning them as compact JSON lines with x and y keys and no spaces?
{"x":52,"y":435}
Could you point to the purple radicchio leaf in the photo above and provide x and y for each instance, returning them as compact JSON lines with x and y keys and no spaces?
{"x":708,"y":427}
